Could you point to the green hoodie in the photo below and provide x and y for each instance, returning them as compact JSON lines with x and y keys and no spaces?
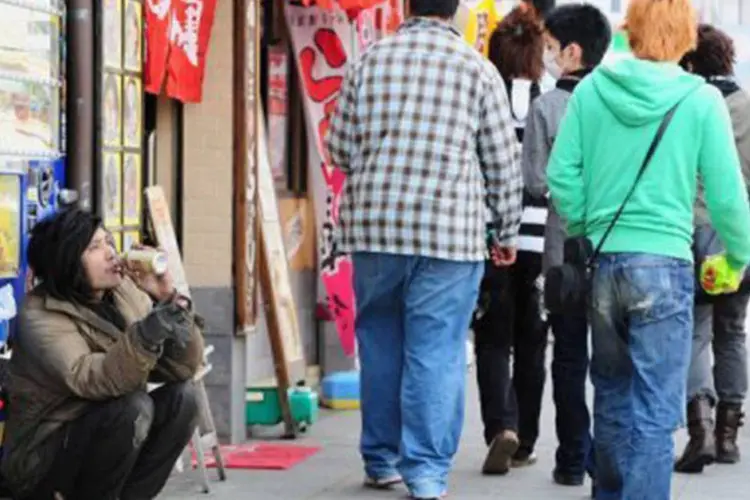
{"x":610,"y":122}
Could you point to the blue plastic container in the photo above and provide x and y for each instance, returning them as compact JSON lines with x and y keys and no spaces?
{"x":341,"y":391}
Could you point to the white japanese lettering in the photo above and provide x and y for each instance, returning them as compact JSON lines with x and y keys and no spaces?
{"x":186,"y":36}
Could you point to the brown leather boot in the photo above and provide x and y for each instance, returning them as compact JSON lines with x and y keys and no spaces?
{"x":728,"y":421}
{"x":701,"y":449}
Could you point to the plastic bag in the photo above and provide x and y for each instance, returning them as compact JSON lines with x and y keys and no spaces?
{"x":7,"y":303}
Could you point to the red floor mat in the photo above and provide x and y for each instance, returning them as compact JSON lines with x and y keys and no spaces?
{"x":260,"y":456}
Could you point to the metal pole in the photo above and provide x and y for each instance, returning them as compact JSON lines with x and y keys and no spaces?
{"x":80,"y":99}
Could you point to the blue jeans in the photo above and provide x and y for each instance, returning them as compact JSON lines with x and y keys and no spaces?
{"x":642,"y":324}
{"x":412,"y":322}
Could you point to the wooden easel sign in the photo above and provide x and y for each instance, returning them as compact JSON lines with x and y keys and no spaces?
{"x":281,"y":310}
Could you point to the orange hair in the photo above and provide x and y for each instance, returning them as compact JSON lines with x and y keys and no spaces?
{"x":661,"y":30}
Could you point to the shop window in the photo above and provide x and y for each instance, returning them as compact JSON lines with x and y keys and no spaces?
{"x":121,"y":140}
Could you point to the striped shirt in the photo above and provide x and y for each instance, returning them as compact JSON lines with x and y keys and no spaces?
{"x":534,"y":218}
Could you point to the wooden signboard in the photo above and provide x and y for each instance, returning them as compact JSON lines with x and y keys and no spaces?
{"x":281,"y":310}
{"x":246,"y":37}
{"x":161,"y":221}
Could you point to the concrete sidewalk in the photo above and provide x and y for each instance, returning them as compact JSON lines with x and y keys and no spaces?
{"x":335,"y":473}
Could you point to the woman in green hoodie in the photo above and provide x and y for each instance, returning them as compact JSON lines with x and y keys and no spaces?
{"x":643,"y":285}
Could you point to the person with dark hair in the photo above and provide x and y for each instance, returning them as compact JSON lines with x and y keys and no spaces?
{"x":638,"y":138}
{"x":542,"y":7}
{"x":721,"y":323}
{"x":424,"y":135}
{"x":509,"y":315}
{"x":576,"y":38}
{"x":92,"y":333}
{"x":442,"y":9}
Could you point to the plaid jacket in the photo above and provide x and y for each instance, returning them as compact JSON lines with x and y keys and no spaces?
{"x":424,"y":133}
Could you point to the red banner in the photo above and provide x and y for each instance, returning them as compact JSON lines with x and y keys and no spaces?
{"x":178,"y":32}
{"x":158,"y":15}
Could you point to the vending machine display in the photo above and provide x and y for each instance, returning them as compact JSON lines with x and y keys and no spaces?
{"x":32,"y":164}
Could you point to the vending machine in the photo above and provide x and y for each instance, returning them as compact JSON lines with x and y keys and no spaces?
{"x":32,"y":161}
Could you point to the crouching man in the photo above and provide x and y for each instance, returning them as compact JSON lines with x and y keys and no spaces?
{"x":92,"y":334}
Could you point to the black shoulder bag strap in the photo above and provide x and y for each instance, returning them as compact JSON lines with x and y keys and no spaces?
{"x":649,"y":155}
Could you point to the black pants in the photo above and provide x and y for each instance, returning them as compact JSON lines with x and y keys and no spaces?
{"x":123,"y":449}
{"x":570,"y":365}
{"x":509,"y":319}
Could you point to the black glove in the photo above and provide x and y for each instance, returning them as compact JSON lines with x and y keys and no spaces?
{"x":166,"y":321}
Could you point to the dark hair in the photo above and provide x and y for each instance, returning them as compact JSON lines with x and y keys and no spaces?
{"x":55,"y":249}
{"x":542,"y":6}
{"x":715,"y":54}
{"x":438,"y":8}
{"x":517,"y":45}
{"x":582,"y":24}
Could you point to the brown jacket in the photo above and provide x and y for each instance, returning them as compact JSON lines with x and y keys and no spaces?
{"x":64,"y":358}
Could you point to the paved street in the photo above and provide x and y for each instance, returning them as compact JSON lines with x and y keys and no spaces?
{"x":335,"y":472}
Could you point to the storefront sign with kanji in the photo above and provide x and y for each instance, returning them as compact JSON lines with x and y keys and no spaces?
{"x":177,"y":34}
{"x":322,"y":44}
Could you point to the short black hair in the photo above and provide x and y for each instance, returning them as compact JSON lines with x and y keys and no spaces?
{"x":54,"y":254}
{"x":715,"y":54}
{"x":438,"y":8}
{"x":583,"y":24}
{"x":542,"y":6}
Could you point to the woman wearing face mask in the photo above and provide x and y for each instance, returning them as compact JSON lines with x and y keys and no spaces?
{"x":624,"y":176}
{"x":509,"y":315}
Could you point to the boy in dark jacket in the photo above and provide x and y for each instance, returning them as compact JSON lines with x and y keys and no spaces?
{"x":577,"y":38}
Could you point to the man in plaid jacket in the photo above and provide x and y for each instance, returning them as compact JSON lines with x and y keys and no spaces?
{"x":424,"y":133}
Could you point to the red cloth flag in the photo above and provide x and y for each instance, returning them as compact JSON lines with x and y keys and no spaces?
{"x":177,"y":38}
{"x":158,"y":15}
{"x":189,"y":34}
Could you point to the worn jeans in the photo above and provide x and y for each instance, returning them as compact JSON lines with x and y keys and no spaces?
{"x":720,"y":325}
{"x":509,"y":319}
{"x":412,"y":322}
{"x":570,"y":369}
{"x":124,"y":448}
{"x":642,"y":324}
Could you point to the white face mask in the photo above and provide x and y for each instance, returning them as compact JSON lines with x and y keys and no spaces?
{"x":550,"y":64}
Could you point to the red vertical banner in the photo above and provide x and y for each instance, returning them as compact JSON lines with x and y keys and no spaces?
{"x":278,"y":111}
{"x":177,"y":38}
{"x":158,"y":15}
{"x":189,"y":34}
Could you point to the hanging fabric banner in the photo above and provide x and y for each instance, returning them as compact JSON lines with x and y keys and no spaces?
{"x":322,"y":41}
{"x":177,"y":33}
{"x":158,"y":16}
{"x":189,"y":35}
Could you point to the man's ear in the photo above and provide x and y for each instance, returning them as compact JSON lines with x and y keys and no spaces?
{"x":577,"y":53}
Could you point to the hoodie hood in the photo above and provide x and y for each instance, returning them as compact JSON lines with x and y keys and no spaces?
{"x":638,"y":92}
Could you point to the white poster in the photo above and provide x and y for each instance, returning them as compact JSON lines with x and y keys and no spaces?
{"x":323,"y":42}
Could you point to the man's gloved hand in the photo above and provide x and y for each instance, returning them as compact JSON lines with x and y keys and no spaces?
{"x":166,"y":321}
{"x":718,"y":277}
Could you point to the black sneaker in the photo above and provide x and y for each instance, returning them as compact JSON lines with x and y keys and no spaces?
{"x":566,"y":479}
